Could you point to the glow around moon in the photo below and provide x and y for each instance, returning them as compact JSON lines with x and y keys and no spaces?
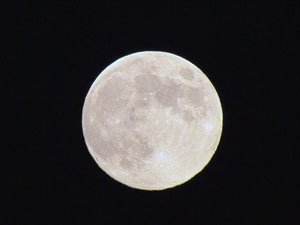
{"x":152,"y":120}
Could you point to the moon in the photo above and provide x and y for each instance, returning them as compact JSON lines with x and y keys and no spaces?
{"x":152,"y":120}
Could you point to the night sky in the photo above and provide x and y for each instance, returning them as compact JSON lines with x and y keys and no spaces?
{"x":52,"y":53}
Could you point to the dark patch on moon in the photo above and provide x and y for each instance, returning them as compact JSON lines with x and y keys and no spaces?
{"x":142,"y":102}
{"x":126,"y":164}
{"x":143,"y":149}
{"x":111,"y":97}
{"x":168,"y":94}
{"x":188,"y":116}
{"x":194,"y":96}
{"x":137,"y":147}
{"x":147,"y":83}
{"x":186,"y":73}
{"x":132,"y":117}
{"x":121,"y":145}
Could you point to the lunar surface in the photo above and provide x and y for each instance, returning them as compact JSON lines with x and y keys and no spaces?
{"x":152,"y":120}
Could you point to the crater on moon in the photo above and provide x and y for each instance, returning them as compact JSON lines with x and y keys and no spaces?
{"x":152,"y":120}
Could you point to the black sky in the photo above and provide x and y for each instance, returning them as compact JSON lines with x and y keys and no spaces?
{"x":53,"y":52}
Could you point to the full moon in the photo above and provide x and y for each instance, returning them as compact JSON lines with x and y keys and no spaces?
{"x":152,"y":120}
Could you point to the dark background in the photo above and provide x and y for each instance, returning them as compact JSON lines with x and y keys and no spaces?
{"x":51,"y":54}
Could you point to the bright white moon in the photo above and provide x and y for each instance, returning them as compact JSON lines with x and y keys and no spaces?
{"x":152,"y":120}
